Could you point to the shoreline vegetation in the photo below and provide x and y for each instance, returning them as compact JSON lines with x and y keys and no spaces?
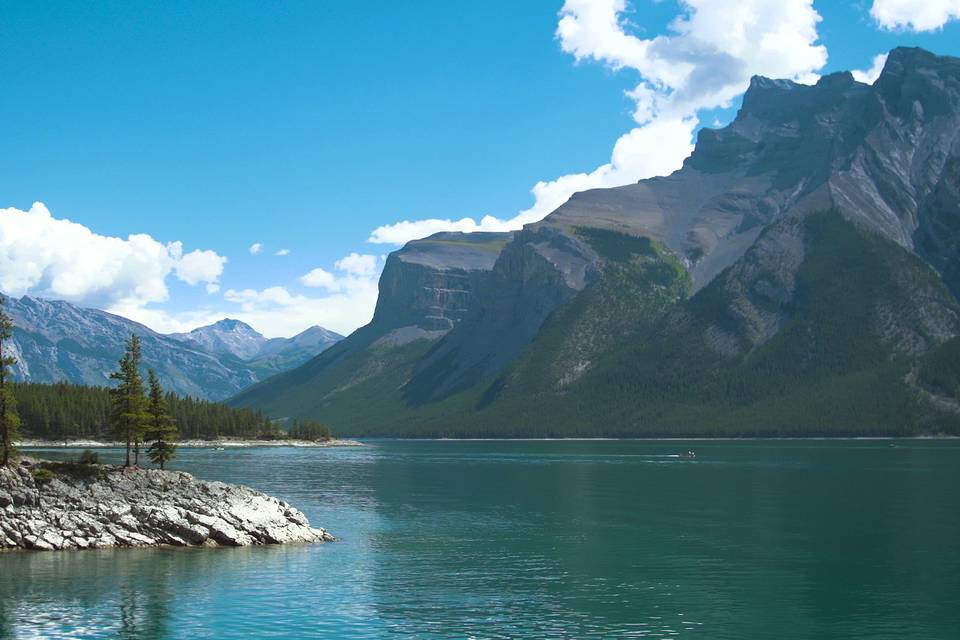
{"x":226,"y":443}
{"x":81,"y":504}
{"x":61,"y":411}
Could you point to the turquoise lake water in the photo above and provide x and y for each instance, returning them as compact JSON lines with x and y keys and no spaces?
{"x":559,"y":539}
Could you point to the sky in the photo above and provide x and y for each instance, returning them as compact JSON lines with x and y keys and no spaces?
{"x":182,"y":162}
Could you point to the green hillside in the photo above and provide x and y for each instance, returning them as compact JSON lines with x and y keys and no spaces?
{"x":630,"y":356}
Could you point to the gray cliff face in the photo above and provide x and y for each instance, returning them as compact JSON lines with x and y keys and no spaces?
{"x":883,"y":155}
{"x":57,"y":341}
{"x":908,"y":152}
{"x":534,"y":274}
{"x":110,"y":507}
{"x":773,"y":159}
{"x":426,"y":290}
{"x":428,"y":285}
{"x":760,"y":288}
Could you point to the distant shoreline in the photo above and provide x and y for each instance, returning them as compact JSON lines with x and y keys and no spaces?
{"x":189,"y":444}
{"x":240,"y":443}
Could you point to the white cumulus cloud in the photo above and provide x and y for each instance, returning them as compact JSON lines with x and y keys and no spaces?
{"x":348,"y":300}
{"x":275,"y":311}
{"x":57,"y":258}
{"x":200,"y":266}
{"x":319,"y":277}
{"x":356,"y":273}
{"x":705,"y":61}
{"x":870,"y":75}
{"x":282,"y":252}
{"x":359,"y":265}
{"x":915,"y":15}
{"x":256,"y":248}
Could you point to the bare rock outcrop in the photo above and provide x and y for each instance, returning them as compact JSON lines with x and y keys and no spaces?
{"x":54,"y":506}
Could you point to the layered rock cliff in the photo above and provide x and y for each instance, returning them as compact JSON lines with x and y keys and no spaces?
{"x":427,"y":287}
{"x":426,"y":290}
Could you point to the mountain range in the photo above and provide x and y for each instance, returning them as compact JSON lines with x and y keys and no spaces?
{"x":799,"y":275}
{"x":57,"y":341}
{"x":235,"y":339}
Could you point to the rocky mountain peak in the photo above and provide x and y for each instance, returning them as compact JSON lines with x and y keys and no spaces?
{"x":315,"y":333}
{"x":226,"y":336}
{"x":916,"y":84}
{"x":237,"y":326}
{"x":237,"y":339}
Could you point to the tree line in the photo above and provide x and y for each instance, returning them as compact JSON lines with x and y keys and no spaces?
{"x":62,"y":411}
{"x":136,"y":412}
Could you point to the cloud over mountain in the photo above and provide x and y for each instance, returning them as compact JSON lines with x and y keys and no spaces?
{"x":870,"y":75}
{"x":705,"y":61}
{"x":54,"y":257}
{"x":915,"y":15}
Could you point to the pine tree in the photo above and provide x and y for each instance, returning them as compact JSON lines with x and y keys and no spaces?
{"x":9,"y":420}
{"x":128,"y":415}
{"x":162,"y":429}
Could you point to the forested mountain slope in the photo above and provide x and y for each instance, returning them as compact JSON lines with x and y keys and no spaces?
{"x":799,"y":275}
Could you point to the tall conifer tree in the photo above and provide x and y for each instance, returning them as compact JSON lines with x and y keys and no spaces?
{"x":129,"y":416}
{"x":161,"y":429}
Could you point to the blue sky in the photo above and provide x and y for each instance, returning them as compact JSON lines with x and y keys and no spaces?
{"x":306,"y":125}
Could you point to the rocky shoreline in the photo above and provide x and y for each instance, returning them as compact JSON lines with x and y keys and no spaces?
{"x":189,"y":444}
{"x":61,"y":505}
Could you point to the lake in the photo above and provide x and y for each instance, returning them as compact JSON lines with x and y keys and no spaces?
{"x":561,"y":539}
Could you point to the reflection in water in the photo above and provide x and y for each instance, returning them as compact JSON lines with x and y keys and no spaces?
{"x":55,"y":591}
{"x":137,"y":593}
{"x":145,"y":605}
{"x":849,"y":540}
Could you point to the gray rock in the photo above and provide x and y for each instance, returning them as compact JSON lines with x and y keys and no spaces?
{"x":141,"y":508}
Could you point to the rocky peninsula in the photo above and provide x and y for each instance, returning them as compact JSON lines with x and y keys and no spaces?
{"x":222,"y":443}
{"x":62,"y":505}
